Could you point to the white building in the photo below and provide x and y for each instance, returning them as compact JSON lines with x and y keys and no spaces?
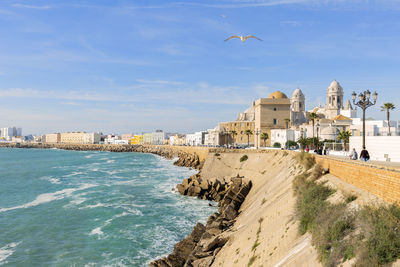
{"x":373,"y":127}
{"x":8,"y":132}
{"x":91,"y":138}
{"x":158,"y":137}
{"x":282,"y":136}
{"x":190,"y":139}
{"x":199,"y":138}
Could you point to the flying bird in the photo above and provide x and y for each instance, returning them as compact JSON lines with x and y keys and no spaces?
{"x":243,"y":38}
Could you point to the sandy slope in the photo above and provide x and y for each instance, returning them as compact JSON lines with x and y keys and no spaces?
{"x":273,"y":200}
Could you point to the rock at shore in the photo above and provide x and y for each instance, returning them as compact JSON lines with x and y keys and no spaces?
{"x":203,"y":244}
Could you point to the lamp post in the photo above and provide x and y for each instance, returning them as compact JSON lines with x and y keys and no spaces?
{"x":364,"y":103}
{"x":317,"y":133}
{"x":257,"y":133}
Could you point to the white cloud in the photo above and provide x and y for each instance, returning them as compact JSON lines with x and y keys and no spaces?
{"x":31,"y":6}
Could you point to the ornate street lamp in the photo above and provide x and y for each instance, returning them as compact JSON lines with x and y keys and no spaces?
{"x":317,"y":133}
{"x":364,"y":103}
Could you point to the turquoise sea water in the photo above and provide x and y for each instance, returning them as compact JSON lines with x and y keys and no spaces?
{"x":72,"y":208}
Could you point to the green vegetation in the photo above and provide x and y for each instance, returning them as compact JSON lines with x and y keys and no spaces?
{"x":256,"y":243}
{"x":344,"y":136}
{"x":277,"y":145}
{"x":305,"y":159}
{"x":382,"y":233}
{"x":244,"y":158}
{"x":350,"y":198}
{"x":388,"y":107}
{"x":217,"y":154}
{"x":291,"y":143}
{"x":248,"y":133}
{"x":264,"y":137}
{"x":371,"y":235}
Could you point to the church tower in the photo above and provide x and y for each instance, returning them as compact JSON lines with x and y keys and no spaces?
{"x":297,"y":102}
{"x":334,"y":100}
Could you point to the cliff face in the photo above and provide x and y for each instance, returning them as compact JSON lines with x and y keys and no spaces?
{"x":185,"y":159}
{"x":255,"y":227}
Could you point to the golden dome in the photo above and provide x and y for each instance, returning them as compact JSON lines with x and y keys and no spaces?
{"x":277,"y":95}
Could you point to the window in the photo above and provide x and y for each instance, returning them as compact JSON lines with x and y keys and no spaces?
{"x":299,"y":105}
{"x":248,"y":124}
{"x":241,"y":132}
{"x":275,"y":121}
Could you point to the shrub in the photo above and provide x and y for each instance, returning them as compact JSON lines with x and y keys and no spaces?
{"x":310,"y":201}
{"x":244,"y":158}
{"x":217,"y":154}
{"x":382,"y":232}
{"x":305,"y":159}
{"x":277,"y":145}
{"x":351,"y":198}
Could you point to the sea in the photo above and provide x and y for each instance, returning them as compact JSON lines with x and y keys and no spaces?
{"x":91,"y":208}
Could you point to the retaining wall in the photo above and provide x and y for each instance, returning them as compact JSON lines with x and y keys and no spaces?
{"x":376,"y":179}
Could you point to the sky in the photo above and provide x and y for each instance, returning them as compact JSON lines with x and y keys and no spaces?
{"x":139,"y":65}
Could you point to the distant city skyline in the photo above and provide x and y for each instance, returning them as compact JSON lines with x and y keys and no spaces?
{"x":137,"y":66}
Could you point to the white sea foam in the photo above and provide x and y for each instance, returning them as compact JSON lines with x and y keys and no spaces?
{"x":52,"y":180}
{"x":110,"y":161}
{"x":73,"y":174}
{"x":97,"y":231}
{"x":94,"y":206}
{"x":48,"y":197}
{"x":7,"y":251}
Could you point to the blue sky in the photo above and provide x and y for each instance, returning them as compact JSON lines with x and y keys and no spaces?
{"x":132,"y":66}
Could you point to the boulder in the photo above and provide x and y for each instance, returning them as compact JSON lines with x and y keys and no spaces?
{"x":204,"y":262}
{"x":181,"y":189}
{"x":204,"y":185}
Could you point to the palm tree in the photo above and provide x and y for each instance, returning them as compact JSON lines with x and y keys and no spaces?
{"x":303,"y":142}
{"x":287,"y":123}
{"x":264,"y":136}
{"x":388,"y":107}
{"x":313,"y":116}
{"x":248,"y":133}
{"x":344,"y":135}
{"x":233,"y":134}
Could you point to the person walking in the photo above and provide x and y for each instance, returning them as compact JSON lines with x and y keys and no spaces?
{"x":354,"y":155}
{"x":364,"y":155}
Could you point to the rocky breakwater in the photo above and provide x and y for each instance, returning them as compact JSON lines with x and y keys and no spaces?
{"x":185,"y":159}
{"x":200,"y":248}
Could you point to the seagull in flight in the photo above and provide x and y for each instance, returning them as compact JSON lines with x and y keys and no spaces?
{"x":242,"y":38}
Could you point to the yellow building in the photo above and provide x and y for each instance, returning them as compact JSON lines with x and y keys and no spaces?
{"x":240,"y":127}
{"x":137,"y":140}
{"x":272,"y":112}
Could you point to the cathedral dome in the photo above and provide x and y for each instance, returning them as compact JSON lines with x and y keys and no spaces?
{"x":329,"y":133}
{"x":277,"y":95}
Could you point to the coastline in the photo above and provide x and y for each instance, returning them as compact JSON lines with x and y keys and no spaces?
{"x":185,"y":159}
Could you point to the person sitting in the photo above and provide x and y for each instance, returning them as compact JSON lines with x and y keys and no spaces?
{"x":354,"y":155}
{"x":364,"y":155}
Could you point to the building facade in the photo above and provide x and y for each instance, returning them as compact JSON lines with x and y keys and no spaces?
{"x":54,"y":138}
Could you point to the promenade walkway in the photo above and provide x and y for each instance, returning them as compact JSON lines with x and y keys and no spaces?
{"x":390,"y":165}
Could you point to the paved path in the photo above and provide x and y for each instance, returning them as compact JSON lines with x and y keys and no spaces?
{"x":394,"y":165}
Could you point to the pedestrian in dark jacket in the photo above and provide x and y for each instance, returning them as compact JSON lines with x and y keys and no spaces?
{"x":364,"y":155}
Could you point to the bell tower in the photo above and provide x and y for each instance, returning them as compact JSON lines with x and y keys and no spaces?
{"x":334,"y":100}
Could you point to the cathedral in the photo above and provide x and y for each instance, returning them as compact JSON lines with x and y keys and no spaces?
{"x":277,"y":111}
